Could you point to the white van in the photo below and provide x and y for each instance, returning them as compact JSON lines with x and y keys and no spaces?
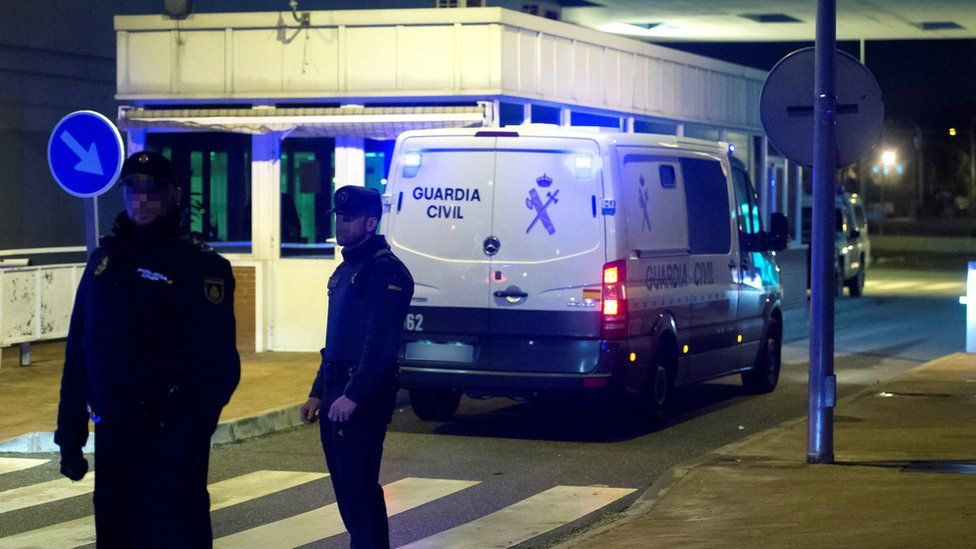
{"x":554,"y":259}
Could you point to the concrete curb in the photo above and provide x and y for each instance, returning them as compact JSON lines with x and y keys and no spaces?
{"x":235,"y":430}
{"x":670,"y":478}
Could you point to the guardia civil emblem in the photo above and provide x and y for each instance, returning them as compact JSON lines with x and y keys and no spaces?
{"x":213,"y":288}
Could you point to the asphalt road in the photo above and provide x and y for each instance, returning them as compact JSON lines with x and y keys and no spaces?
{"x":513,"y":451}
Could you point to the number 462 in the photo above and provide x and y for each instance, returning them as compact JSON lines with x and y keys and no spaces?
{"x":414,"y":323}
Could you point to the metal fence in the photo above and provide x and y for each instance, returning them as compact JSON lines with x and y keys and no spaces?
{"x":36,"y":302}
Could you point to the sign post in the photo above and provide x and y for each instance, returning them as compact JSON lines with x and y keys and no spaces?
{"x":822,"y":108}
{"x":85,"y":154}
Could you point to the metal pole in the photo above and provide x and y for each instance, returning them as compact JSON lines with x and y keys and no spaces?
{"x":823,"y":384}
{"x":91,"y":224}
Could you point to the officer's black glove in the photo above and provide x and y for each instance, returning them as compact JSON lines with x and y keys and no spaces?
{"x":73,"y":463}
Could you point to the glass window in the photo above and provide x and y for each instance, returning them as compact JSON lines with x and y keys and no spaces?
{"x":379,"y":154}
{"x":307,"y":174}
{"x":214,"y":170}
{"x":708,"y":206}
{"x":747,"y":203}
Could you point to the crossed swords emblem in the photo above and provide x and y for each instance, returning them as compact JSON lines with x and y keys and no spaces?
{"x":534,"y":202}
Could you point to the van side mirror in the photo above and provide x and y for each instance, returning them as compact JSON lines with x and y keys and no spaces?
{"x":779,"y":232}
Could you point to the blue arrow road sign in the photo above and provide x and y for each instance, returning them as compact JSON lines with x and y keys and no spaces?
{"x":85,"y":153}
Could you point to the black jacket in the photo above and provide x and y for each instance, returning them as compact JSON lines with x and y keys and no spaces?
{"x":152,"y":329}
{"x":369,"y":294}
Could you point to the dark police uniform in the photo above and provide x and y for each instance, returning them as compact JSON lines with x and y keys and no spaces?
{"x":151,"y":357}
{"x":369,"y":295}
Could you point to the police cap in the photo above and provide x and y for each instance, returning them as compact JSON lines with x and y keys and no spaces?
{"x":147,"y":165}
{"x":355,"y":200}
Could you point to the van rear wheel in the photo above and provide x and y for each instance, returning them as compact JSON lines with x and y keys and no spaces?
{"x":764,"y":375}
{"x":434,"y":404}
{"x":652,"y":407}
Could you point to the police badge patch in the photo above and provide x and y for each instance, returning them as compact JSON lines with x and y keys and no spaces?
{"x":213,"y":288}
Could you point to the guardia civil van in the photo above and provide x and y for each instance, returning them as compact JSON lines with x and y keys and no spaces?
{"x":555,"y":259}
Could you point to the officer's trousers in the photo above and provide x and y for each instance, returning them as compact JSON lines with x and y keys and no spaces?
{"x":151,"y":481}
{"x":353,"y":451}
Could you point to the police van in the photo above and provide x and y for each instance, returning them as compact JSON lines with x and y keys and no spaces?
{"x":550,"y":259}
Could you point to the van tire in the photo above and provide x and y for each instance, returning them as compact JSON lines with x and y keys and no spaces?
{"x":660,"y":390}
{"x":764,"y":375}
{"x":855,"y":284}
{"x":652,"y":407}
{"x":434,"y":404}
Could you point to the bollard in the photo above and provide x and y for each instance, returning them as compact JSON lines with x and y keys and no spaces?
{"x":971,"y":308}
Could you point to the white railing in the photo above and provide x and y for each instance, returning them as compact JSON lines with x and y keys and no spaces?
{"x":36,"y":302}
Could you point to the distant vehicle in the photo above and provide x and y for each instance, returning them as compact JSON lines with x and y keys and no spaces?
{"x":552,"y":259}
{"x":851,"y":243}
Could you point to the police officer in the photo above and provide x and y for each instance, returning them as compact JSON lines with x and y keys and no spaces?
{"x":356,"y":385}
{"x":151,"y":358}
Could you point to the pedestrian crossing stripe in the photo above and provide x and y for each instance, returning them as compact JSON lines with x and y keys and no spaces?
{"x":45,"y":492}
{"x":9,"y":465}
{"x":254,"y":485}
{"x":525,"y":519}
{"x":226,"y":493}
{"x":325,"y":521}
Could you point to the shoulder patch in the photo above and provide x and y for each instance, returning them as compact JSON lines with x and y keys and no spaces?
{"x":213,"y":288}
{"x":101,"y":266}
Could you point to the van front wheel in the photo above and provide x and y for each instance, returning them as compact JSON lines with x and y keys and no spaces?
{"x":434,"y":404}
{"x":764,"y":375}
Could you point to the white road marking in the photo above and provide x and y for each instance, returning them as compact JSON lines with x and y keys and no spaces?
{"x":9,"y":465}
{"x":78,"y":532}
{"x":45,"y":492}
{"x":526,"y":519}
{"x":325,"y":521}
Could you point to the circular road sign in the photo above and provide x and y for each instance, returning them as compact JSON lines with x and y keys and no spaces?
{"x":85,"y":153}
{"x":786,"y":107}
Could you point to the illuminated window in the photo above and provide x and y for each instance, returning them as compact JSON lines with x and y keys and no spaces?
{"x":307,"y":172}
{"x":214,"y":171}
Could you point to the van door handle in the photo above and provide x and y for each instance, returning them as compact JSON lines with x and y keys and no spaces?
{"x":511,"y":293}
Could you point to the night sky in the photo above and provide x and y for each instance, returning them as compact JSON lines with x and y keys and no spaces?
{"x":931,"y":83}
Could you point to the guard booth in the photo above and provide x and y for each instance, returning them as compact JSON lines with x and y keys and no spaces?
{"x":264,"y":116}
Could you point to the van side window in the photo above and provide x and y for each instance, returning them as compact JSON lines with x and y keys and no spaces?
{"x":708,"y":206}
{"x":746,"y":203}
{"x":668,"y":178}
{"x":653,"y":201}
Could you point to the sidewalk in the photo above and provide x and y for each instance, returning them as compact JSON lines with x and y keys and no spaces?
{"x":903,"y":450}
{"x":272,"y":387}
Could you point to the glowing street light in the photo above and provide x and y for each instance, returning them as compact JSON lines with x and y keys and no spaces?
{"x":952,"y":132}
{"x":888,"y":158}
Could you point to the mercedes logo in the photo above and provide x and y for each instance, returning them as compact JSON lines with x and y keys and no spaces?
{"x":491,"y":245}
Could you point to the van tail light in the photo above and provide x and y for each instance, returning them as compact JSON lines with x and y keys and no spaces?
{"x":614,"y":303}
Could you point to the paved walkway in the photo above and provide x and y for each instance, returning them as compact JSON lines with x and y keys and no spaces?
{"x":272,"y":385}
{"x":903,"y":450}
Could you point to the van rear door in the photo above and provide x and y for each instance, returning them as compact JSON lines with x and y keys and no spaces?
{"x":545,"y":275}
{"x":439,"y":216}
